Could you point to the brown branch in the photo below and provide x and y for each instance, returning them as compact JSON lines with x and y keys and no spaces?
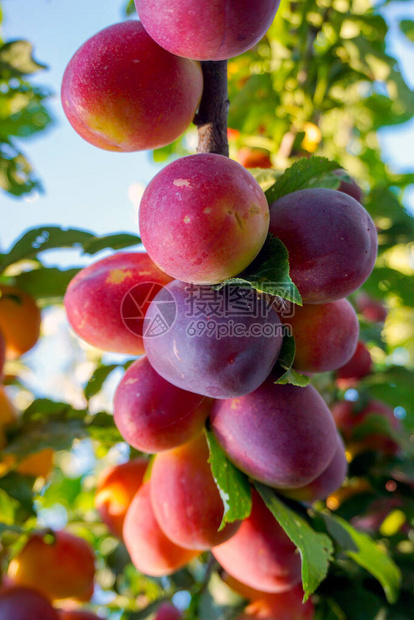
{"x":211,"y":120}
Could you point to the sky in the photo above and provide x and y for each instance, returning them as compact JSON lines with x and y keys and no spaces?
{"x":98,"y":190}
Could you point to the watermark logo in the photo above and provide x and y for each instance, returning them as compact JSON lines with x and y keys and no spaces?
{"x":135,"y":305}
{"x":209,"y":311}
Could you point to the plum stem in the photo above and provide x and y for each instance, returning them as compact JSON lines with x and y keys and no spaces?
{"x":211,"y":119}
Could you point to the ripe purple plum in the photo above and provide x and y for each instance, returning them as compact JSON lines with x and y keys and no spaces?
{"x":18,"y":603}
{"x":260,"y":555}
{"x":220,"y":344}
{"x":151,"y":551}
{"x":123,"y":92}
{"x":331,"y":240}
{"x":203,"y":218}
{"x":106,"y":302}
{"x":185,"y":498}
{"x":167,"y":611}
{"x":209,"y":30}
{"x":372,"y":310}
{"x":329,"y":481}
{"x":349,"y":187}
{"x":281,"y":435}
{"x":326,"y":335}
{"x":356,"y":368}
{"x":152,"y":414}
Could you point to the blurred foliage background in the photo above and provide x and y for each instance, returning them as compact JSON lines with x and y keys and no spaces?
{"x":321,"y":83}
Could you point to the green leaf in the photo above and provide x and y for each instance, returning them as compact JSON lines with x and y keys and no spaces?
{"x":8,"y":507}
{"x":16,"y":173}
{"x":393,"y":386}
{"x":46,"y":424}
{"x":303,"y":174}
{"x":16,"y":58}
{"x":218,"y":601}
{"x":97,"y":380}
{"x":369,"y":555}
{"x":130,"y":8}
{"x":284,"y":364}
{"x":101,"y":426}
{"x":233,"y":485}
{"x":269,"y":273}
{"x":316,"y":549}
{"x":47,"y":284}
{"x":117,"y":241}
{"x":44,"y":238}
{"x":407,"y":27}
{"x":265,"y":177}
{"x":145,"y":614}
{"x":20,"y":488}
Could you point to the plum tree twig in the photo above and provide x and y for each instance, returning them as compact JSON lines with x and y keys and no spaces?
{"x":211,"y":119}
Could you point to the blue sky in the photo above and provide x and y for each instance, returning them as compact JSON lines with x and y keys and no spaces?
{"x":89,"y":188}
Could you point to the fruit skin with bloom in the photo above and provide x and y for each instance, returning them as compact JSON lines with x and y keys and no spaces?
{"x":328,"y":482}
{"x":116,"y":489}
{"x":356,"y":368}
{"x":331,"y":240}
{"x":20,"y":603}
{"x":167,"y":611}
{"x":203,"y":218}
{"x":151,"y":551}
{"x":20,"y":320}
{"x":102,"y":300}
{"x":326,"y":335}
{"x":216,"y":30}
{"x":215,"y":361}
{"x":260,"y":555}
{"x":185,"y":498}
{"x":153,"y":415}
{"x":123,"y":92}
{"x":349,"y":187}
{"x":372,"y":310}
{"x":282,"y":435}
{"x":60,"y":569}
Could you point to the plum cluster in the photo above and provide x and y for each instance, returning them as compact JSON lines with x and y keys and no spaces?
{"x":210,"y":347}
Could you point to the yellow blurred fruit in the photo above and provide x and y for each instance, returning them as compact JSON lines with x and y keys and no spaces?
{"x":313,"y":137}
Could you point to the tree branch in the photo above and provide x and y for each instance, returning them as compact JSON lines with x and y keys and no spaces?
{"x":211,"y":120}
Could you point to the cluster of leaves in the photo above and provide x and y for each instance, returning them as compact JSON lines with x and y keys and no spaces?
{"x":22,"y":114}
{"x":321,"y":81}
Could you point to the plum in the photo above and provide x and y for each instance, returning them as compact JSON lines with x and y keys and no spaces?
{"x":106,"y":302}
{"x":151,"y":551}
{"x":281,"y":435}
{"x":185,"y":498}
{"x":207,"y":30}
{"x":326,"y":335}
{"x":331,"y":240}
{"x":123,"y":92}
{"x":260,"y":554}
{"x":152,"y":414}
{"x":203,"y":218}
{"x":220,"y":344}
